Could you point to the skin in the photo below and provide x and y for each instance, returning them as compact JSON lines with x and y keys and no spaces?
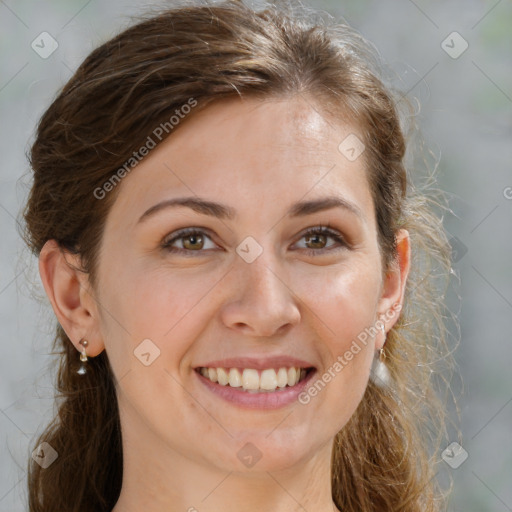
{"x":180,"y":441}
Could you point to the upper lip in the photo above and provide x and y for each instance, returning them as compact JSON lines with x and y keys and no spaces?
{"x":257,"y":363}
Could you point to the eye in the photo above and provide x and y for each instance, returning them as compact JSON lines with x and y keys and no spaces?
{"x":192,"y":241}
{"x":318,"y":236}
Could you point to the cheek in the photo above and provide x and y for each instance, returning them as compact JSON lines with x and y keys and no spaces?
{"x":166,"y":307}
{"x":344,"y":306}
{"x":345,"y":300}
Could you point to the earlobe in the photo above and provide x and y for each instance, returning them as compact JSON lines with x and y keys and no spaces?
{"x":67,"y":289}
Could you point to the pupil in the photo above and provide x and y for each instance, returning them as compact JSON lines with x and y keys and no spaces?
{"x":194,"y":239}
{"x":310,"y":237}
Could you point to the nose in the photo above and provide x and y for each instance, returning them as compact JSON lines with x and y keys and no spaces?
{"x":263,"y":304}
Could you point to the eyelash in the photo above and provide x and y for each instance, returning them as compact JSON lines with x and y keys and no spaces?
{"x":319,"y":230}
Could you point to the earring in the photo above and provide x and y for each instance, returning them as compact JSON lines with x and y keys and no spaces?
{"x":83,"y":357}
{"x":380,"y":375}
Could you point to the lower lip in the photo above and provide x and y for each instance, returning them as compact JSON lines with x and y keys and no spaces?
{"x":270,"y":400}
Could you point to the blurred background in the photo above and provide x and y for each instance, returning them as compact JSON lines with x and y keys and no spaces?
{"x":452,"y":59}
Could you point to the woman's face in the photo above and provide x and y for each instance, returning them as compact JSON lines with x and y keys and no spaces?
{"x":251,"y":284}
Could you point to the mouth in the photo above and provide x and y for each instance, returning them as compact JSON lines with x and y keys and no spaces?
{"x":251,"y":380}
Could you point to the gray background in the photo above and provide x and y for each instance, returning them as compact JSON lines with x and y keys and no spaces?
{"x":466,"y":119}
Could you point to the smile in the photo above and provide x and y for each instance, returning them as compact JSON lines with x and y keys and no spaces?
{"x":255,"y":381}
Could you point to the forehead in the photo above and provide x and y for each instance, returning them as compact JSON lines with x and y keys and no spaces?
{"x":241,"y":152}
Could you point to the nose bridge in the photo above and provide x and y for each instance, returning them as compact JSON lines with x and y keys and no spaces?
{"x":262,"y":278}
{"x":257,"y":262}
{"x":264,"y":302}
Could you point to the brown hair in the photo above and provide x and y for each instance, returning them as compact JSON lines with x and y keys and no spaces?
{"x":134,"y":82}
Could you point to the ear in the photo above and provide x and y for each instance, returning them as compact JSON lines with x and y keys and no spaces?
{"x":68,"y":290}
{"x":393,"y":289}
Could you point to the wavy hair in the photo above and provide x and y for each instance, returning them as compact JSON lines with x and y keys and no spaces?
{"x":384,"y":459}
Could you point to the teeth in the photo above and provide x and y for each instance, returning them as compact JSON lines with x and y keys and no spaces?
{"x":251,"y":380}
{"x":282,"y":377}
{"x":268,"y":379}
{"x":222,"y":376}
{"x":235,"y":379}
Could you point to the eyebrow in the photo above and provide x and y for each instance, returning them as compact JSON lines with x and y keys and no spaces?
{"x":221,"y":211}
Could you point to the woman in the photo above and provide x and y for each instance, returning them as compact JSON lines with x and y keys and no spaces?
{"x":232,"y":249}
